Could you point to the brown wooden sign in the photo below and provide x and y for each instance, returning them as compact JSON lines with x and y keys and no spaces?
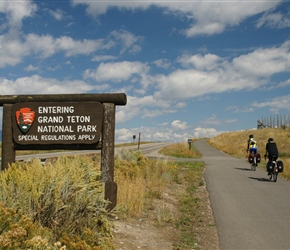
{"x":57,"y":122}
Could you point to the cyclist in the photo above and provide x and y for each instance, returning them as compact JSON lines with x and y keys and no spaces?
{"x":252,"y":146}
{"x":271,"y":151}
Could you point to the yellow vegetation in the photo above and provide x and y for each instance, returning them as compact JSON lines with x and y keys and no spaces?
{"x":182,"y":150}
{"x":140,"y":180}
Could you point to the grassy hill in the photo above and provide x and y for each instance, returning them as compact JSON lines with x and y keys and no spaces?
{"x":235,"y":144}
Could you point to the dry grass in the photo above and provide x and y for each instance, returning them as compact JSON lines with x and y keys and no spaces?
{"x":235,"y":144}
{"x":140,"y":180}
{"x":182,"y":150}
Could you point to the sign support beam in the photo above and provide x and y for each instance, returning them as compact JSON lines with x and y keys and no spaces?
{"x":107,"y":154}
{"x":8,"y":151}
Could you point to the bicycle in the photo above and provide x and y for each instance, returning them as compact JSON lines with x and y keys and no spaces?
{"x":254,"y":163}
{"x":273,"y":169}
{"x":254,"y":160}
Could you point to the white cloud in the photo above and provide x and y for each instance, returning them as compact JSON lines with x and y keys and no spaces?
{"x":212,"y":74}
{"x":144,"y":107}
{"x":128,"y":41}
{"x":208,"y":17}
{"x":179,"y":125}
{"x":116,"y":72}
{"x":206,"y":132}
{"x":101,"y":58}
{"x":150,"y":134}
{"x":162,"y":63}
{"x":212,"y":120}
{"x":17,"y":10}
{"x":265,"y":62}
{"x":56,"y":14}
{"x":201,"y":62}
{"x":39,"y":85}
{"x":31,"y":68}
{"x":274,"y":20}
{"x":284,"y":83}
{"x":275,"y":104}
{"x":13,"y":49}
{"x":237,"y":109}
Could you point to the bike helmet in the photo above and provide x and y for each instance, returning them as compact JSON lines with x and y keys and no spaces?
{"x":251,"y":136}
{"x":270,"y":140}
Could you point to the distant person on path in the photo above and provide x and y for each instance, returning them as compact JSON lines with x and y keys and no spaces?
{"x":271,"y":151}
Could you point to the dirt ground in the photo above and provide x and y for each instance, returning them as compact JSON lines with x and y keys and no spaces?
{"x":146,"y":233}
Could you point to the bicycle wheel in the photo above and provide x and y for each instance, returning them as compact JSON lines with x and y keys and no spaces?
{"x":253,"y":166}
{"x":254,"y":163}
{"x":275,"y":175}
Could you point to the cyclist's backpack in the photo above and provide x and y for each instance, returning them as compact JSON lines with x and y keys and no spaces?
{"x":258,"y":158}
{"x":280,"y":166}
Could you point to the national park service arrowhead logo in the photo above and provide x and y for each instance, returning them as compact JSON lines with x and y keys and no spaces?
{"x":25,"y":118}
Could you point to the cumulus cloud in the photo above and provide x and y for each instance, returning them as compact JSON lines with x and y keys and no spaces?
{"x":117,"y":72}
{"x":200,"y":62}
{"x":179,"y":125}
{"x":144,"y":107}
{"x":206,"y":132}
{"x":211,"y":74}
{"x":150,"y":134}
{"x":16,"y":11}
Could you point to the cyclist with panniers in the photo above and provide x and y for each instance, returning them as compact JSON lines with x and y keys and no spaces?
{"x":271,"y":152}
{"x":252,"y":147}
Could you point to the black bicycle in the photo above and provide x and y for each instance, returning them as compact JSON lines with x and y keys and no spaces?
{"x":273,"y":169}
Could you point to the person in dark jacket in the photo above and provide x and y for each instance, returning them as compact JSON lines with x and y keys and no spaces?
{"x":271,"y":151}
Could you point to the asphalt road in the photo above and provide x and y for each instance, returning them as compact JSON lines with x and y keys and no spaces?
{"x":250,"y":211}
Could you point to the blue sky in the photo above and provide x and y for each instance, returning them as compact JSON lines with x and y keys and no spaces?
{"x":188,"y":68}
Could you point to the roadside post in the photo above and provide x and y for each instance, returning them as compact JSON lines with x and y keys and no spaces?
{"x":189,"y":143}
{"x":70,"y":122}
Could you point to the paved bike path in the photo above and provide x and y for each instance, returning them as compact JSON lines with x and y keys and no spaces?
{"x":250,"y":211}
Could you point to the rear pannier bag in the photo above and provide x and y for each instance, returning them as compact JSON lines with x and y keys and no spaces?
{"x":270,"y":167}
{"x":258,"y":158}
{"x":280,"y":166}
{"x":250,"y":159}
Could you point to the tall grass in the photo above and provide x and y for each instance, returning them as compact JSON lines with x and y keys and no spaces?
{"x":235,"y":144}
{"x":140,"y":180}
